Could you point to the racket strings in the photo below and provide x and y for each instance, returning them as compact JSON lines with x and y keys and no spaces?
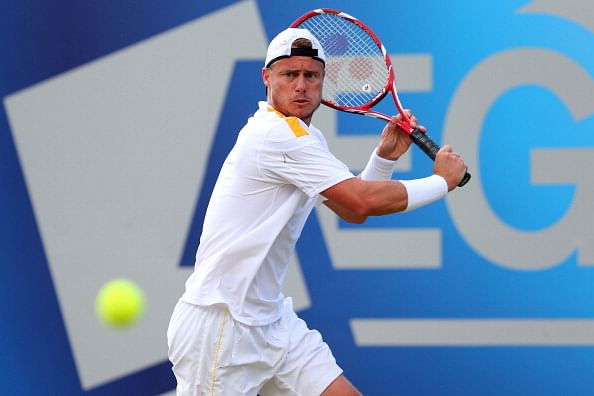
{"x":356,"y":71}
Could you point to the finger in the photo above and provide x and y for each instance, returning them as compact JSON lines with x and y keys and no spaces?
{"x":414,"y":124}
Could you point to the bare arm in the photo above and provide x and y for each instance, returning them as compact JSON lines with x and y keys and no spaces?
{"x":393,"y":143}
{"x":345,"y":214}
{"x":355,"y":199}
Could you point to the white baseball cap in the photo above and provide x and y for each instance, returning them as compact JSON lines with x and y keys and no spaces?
{"x":281,"y":46}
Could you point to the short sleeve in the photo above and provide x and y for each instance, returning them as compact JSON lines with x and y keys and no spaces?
{"x":302,"y":161}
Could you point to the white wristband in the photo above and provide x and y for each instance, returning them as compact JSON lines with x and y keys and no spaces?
{"x":378,"y":168}
{"x":424,"y":191}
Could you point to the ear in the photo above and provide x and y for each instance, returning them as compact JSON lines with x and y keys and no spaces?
{"x":266,"y":77}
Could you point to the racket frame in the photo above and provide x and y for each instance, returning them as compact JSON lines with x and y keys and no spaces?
{"x":390,"y":86}
{"x":420,"y":138}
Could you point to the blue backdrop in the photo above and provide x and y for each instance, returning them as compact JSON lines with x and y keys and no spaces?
{"x":503,"y":301}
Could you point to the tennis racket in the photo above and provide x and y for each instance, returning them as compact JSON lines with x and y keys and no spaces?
{"x":359,"y":72}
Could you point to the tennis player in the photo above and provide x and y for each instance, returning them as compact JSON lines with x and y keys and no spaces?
{"x":233,"y":332}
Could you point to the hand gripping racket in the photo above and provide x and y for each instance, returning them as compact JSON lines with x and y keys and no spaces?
{"x":359,"y":72}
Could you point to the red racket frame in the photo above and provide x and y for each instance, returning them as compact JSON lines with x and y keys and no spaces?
{"x":419,"y":137}
{"x":390,"y":84}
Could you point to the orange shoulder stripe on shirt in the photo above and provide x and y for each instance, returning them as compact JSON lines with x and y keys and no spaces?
{"x":293,"y":123}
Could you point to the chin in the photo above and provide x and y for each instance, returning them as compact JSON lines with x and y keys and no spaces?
{"x":304,"y":115}
{"x":305,"y":111}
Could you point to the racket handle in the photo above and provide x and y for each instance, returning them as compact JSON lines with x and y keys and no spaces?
{"x":430,"y":148}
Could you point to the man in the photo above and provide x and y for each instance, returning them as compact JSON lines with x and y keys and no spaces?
{"x":233,"y":332}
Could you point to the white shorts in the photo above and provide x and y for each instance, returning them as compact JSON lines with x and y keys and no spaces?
{"x":213,"y":354}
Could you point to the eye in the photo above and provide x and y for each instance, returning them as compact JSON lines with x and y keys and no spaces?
{"x":311,"y":75}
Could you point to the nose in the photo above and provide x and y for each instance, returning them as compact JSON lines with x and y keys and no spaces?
{"x":301,"y":83}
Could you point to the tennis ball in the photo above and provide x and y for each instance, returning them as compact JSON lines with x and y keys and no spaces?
{"x":119,"y":303}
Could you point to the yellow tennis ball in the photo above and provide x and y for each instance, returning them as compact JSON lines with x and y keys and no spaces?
{"x":120,"y":303}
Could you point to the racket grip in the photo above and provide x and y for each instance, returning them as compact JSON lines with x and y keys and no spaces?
{"x":430,"y":148}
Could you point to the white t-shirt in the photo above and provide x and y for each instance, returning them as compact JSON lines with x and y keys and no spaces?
{"x":265,"y":191}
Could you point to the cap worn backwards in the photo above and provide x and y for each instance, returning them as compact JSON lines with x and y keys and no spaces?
{"x":281,"y":46}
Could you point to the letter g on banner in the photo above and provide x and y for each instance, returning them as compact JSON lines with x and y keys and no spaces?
{"x":471,"y":213}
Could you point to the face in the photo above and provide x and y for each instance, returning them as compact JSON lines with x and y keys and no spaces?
{"x":295,"y":86}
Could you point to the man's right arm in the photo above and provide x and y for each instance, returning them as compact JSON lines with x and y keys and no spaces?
{"x":354,"y":199}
